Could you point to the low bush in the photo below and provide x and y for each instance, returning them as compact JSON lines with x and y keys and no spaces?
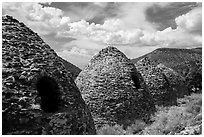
{"x":138,"y":126}
{"x":135,"y":128}
{"x":167,"y":120}
{"x":111,"y":130}
{"x":172,"y":120}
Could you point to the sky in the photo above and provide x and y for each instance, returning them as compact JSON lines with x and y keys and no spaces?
{"x":79,"y":30}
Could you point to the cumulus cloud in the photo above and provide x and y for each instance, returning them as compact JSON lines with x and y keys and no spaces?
{"x":171,"y":38}
{"x":191,"y":22}
{"x":43,"y":20}
{"x":114,"y":32}
{"x":188,"y":33}
{"x":111,"y":32}
{"x":64,"y":20}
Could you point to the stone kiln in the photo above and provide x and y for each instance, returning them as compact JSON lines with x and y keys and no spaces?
{"x":39,"y":95}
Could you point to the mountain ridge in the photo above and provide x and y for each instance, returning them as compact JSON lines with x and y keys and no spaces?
{"x":197,"y":50}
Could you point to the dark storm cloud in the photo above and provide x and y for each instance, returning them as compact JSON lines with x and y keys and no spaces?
{"x":69,"y":5}
{"x":109,"y":11}
{"x":165,"y":16}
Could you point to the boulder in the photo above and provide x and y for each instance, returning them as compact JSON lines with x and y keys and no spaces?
{"x":114,"y":90}
{"x":39,"y":95}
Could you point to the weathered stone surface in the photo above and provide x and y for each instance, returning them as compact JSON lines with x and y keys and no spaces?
{"x":164,"y":83}
{"x":113,"y":89}
{"x":27,"y":64}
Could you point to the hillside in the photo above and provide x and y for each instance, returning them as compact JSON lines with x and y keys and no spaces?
{"x":71,"y":68}
{"x":187,"y":62}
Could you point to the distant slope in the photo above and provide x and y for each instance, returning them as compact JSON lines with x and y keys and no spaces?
{"x":187,"y":62}
{"x":71,"y":68}
{"x":177,"y":59}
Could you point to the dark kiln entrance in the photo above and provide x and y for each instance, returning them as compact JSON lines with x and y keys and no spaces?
{"x":136,"y":81}
{"x":48,"y":90}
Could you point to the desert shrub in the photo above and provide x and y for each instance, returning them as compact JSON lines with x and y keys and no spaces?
{"x":189,"y":99}
{"x":111,"y":130}
{"x":194,"y":106}
{"x":171,"y":120}
{"x":136,"y":127}
{"x":168,"y":122}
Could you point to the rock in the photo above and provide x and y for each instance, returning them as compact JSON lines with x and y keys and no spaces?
{"x":164,"y":83}
{"x":10,"y":79}
{"x":113,"y":89}
{"x":40,"y":99}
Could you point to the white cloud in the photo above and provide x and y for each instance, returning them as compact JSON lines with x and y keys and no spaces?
{"x":113,"y":25}
{"x":64,"y":20}
{"x":43,"y":20}
{"x":39,"y":13}
{"x":86,"y":44}
{"x":101,"y":4}
{"x":188,"y":33}
{"x":171,"y":38}
{"x":111,"y":32}
{"x":76,"y":59}
{"x":191,"y":22}
{"x":77,"y":55}
{"x":78,"y":51}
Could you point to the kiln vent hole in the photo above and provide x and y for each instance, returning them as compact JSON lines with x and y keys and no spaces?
{"x":48,"y":90}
